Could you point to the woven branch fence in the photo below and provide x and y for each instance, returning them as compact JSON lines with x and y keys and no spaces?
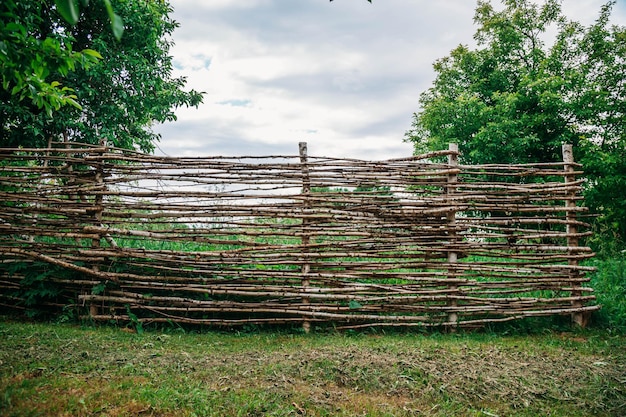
{"x":299,"y":239}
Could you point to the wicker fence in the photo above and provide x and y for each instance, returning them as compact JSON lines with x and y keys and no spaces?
{"x":126,"y":236}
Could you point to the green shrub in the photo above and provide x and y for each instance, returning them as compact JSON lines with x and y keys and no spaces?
{"x":609,"y":283}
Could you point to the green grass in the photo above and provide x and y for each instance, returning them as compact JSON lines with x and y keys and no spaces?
{"x":55,"y":369}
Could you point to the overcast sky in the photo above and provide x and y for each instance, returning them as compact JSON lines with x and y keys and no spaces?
{"x":343,"y":76}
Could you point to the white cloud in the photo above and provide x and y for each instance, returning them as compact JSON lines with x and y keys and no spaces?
{"x":344,"y":76}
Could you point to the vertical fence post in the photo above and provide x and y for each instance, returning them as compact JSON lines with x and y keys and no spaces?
{"x":453,"y":162}
{"x":97,"y":216}
{"x":571,"y":229}
{"x":306,"y":239}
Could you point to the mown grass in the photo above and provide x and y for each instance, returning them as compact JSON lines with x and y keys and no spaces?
{"x":65,"y":370}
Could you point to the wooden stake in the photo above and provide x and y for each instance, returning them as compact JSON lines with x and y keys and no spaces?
{"x":453,"y":162}
{"x":571,"y":229}
{"x":305,"y":239}
{"x":98,"y":209}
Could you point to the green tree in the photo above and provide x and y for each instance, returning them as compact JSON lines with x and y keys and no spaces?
{"x":118,"y":97}
{"x":34,"y":58}
{"x":70,"y":11}
{"x":516,"y":98}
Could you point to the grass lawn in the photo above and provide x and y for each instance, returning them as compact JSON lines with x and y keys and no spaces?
{"x":65,"y":370}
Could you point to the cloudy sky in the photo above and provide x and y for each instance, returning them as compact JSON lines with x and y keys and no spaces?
{"x":343,"y":76}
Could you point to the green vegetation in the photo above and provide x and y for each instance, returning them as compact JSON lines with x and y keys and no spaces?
{"x":70,"y":11}
{"x":32,"y":66}
{"x":66,"y":82}
{"x":65,"y":370}
{"x":516,"y":99}
{"x":609,"y":284}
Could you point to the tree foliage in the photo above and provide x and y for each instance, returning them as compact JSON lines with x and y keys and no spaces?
{"x":518,"y":96}
{"x":34,"y":56}
{"x":110,"y":89}
{"x":70,"y":11}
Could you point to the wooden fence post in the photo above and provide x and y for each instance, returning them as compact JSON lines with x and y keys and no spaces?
{"x":306,"y":239}
{"x":97,"y":216}
{"x":453,"y":162}
{"x":571,"y":229}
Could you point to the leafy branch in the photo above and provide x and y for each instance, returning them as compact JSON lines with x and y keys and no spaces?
{"x":70,"y":11}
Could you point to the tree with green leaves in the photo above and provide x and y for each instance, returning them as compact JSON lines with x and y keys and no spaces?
{"x":518,"y":97}
{"x":34,"y":58}
{"x":81,"y":81}
{"x":70,"y":11}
